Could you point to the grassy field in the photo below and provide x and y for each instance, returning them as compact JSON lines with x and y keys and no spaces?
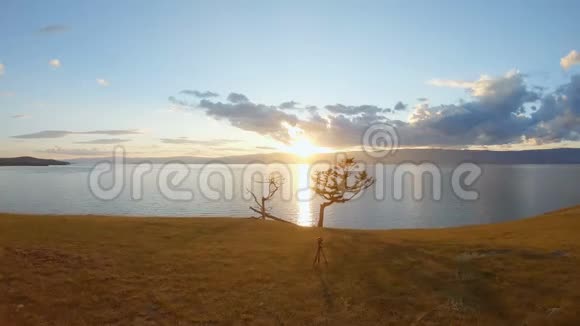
{"x":157,"y":271}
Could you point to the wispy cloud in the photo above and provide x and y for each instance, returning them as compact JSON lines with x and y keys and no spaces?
{"x":199,"y":94}
{"x":103,"y":82}
{"x":2,"y":69}
{"x":187,"y":141}
{"x":54,"y":29}
{"x":57,"y":150}
{"x":44,"y":134}
{"x":572,"y":58}
{"x":63,"y":133}
{"x":20,"y":116}
{"x":108,"y":141}
{"x":55,"y":63}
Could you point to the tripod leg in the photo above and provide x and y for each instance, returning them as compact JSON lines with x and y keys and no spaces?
{"x":316,"y":258}
{"x":324,"y":256}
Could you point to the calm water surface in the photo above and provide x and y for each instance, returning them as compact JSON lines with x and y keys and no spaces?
{"x":506,"y":192}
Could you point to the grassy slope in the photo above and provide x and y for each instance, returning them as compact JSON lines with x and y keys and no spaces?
{"x":102,"y":270}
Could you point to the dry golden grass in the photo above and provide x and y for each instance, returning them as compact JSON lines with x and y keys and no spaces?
{"x":134,"y":271}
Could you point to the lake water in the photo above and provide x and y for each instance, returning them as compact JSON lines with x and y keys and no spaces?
{"x":506,"y":192}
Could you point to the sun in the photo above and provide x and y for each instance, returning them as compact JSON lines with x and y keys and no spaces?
{"x":303,"y":147}
{"x":299,"y":143}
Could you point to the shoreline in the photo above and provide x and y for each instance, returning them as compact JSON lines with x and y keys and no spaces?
{"x":225,"y":218}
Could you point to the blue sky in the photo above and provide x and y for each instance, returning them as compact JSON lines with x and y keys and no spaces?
{"x":352,"y":53}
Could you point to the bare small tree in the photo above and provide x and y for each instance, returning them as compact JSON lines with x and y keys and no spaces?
{"x":339,"y":184}
{"x":274,"y":184}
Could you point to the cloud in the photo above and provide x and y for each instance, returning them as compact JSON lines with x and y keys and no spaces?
{"x":288,"y":105}
{"x":111,"y":132}
{"x":187,"y":141}
{"x":108,"y":141}
{"x":20,"y":116}
{"x":500,"y":110}
{"x":55,"y":63}
{"x":233,"y":149}
{"x":260,"y":118}
{"x":237,"y":98}
{"x":400,"y":106}
{"x":422,"y":99}
{"x":572,"y":58}
{"x":266,"y":147}
{"x":272,"y":121}
{"x":312,"y":109}
{"x":495,"y":115}
{"x":62,"y":133}
{"x":103,"y":82}
{"x":558,"y":115}
{"x":198,"y":94}
{"x":57,"y":150}
{"x":54,"y":29}
{"x":2,"y":69}
{"x":178,"y":102}
{"x":45,"y":134}
{"x":353,"y":110}
{"x":512,"y":83}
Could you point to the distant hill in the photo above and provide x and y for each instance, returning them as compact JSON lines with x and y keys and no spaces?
{"x":29,"y":161}
{"x":541,"y":156}
{"x":439,"y":156}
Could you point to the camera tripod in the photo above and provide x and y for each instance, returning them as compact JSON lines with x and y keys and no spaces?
{"x":319,"y":251}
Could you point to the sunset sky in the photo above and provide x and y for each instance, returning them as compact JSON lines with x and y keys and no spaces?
{"x":213,"y":78}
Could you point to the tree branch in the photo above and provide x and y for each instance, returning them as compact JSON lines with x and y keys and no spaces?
{"x":270,"y":216}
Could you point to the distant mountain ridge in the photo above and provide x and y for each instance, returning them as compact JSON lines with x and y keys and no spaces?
{"x":29,"y":161}
{"x":439,"y":156}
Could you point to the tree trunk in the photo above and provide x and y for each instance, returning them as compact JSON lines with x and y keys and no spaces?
{"x":263,"y":208}
{"x":321,"y":215}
